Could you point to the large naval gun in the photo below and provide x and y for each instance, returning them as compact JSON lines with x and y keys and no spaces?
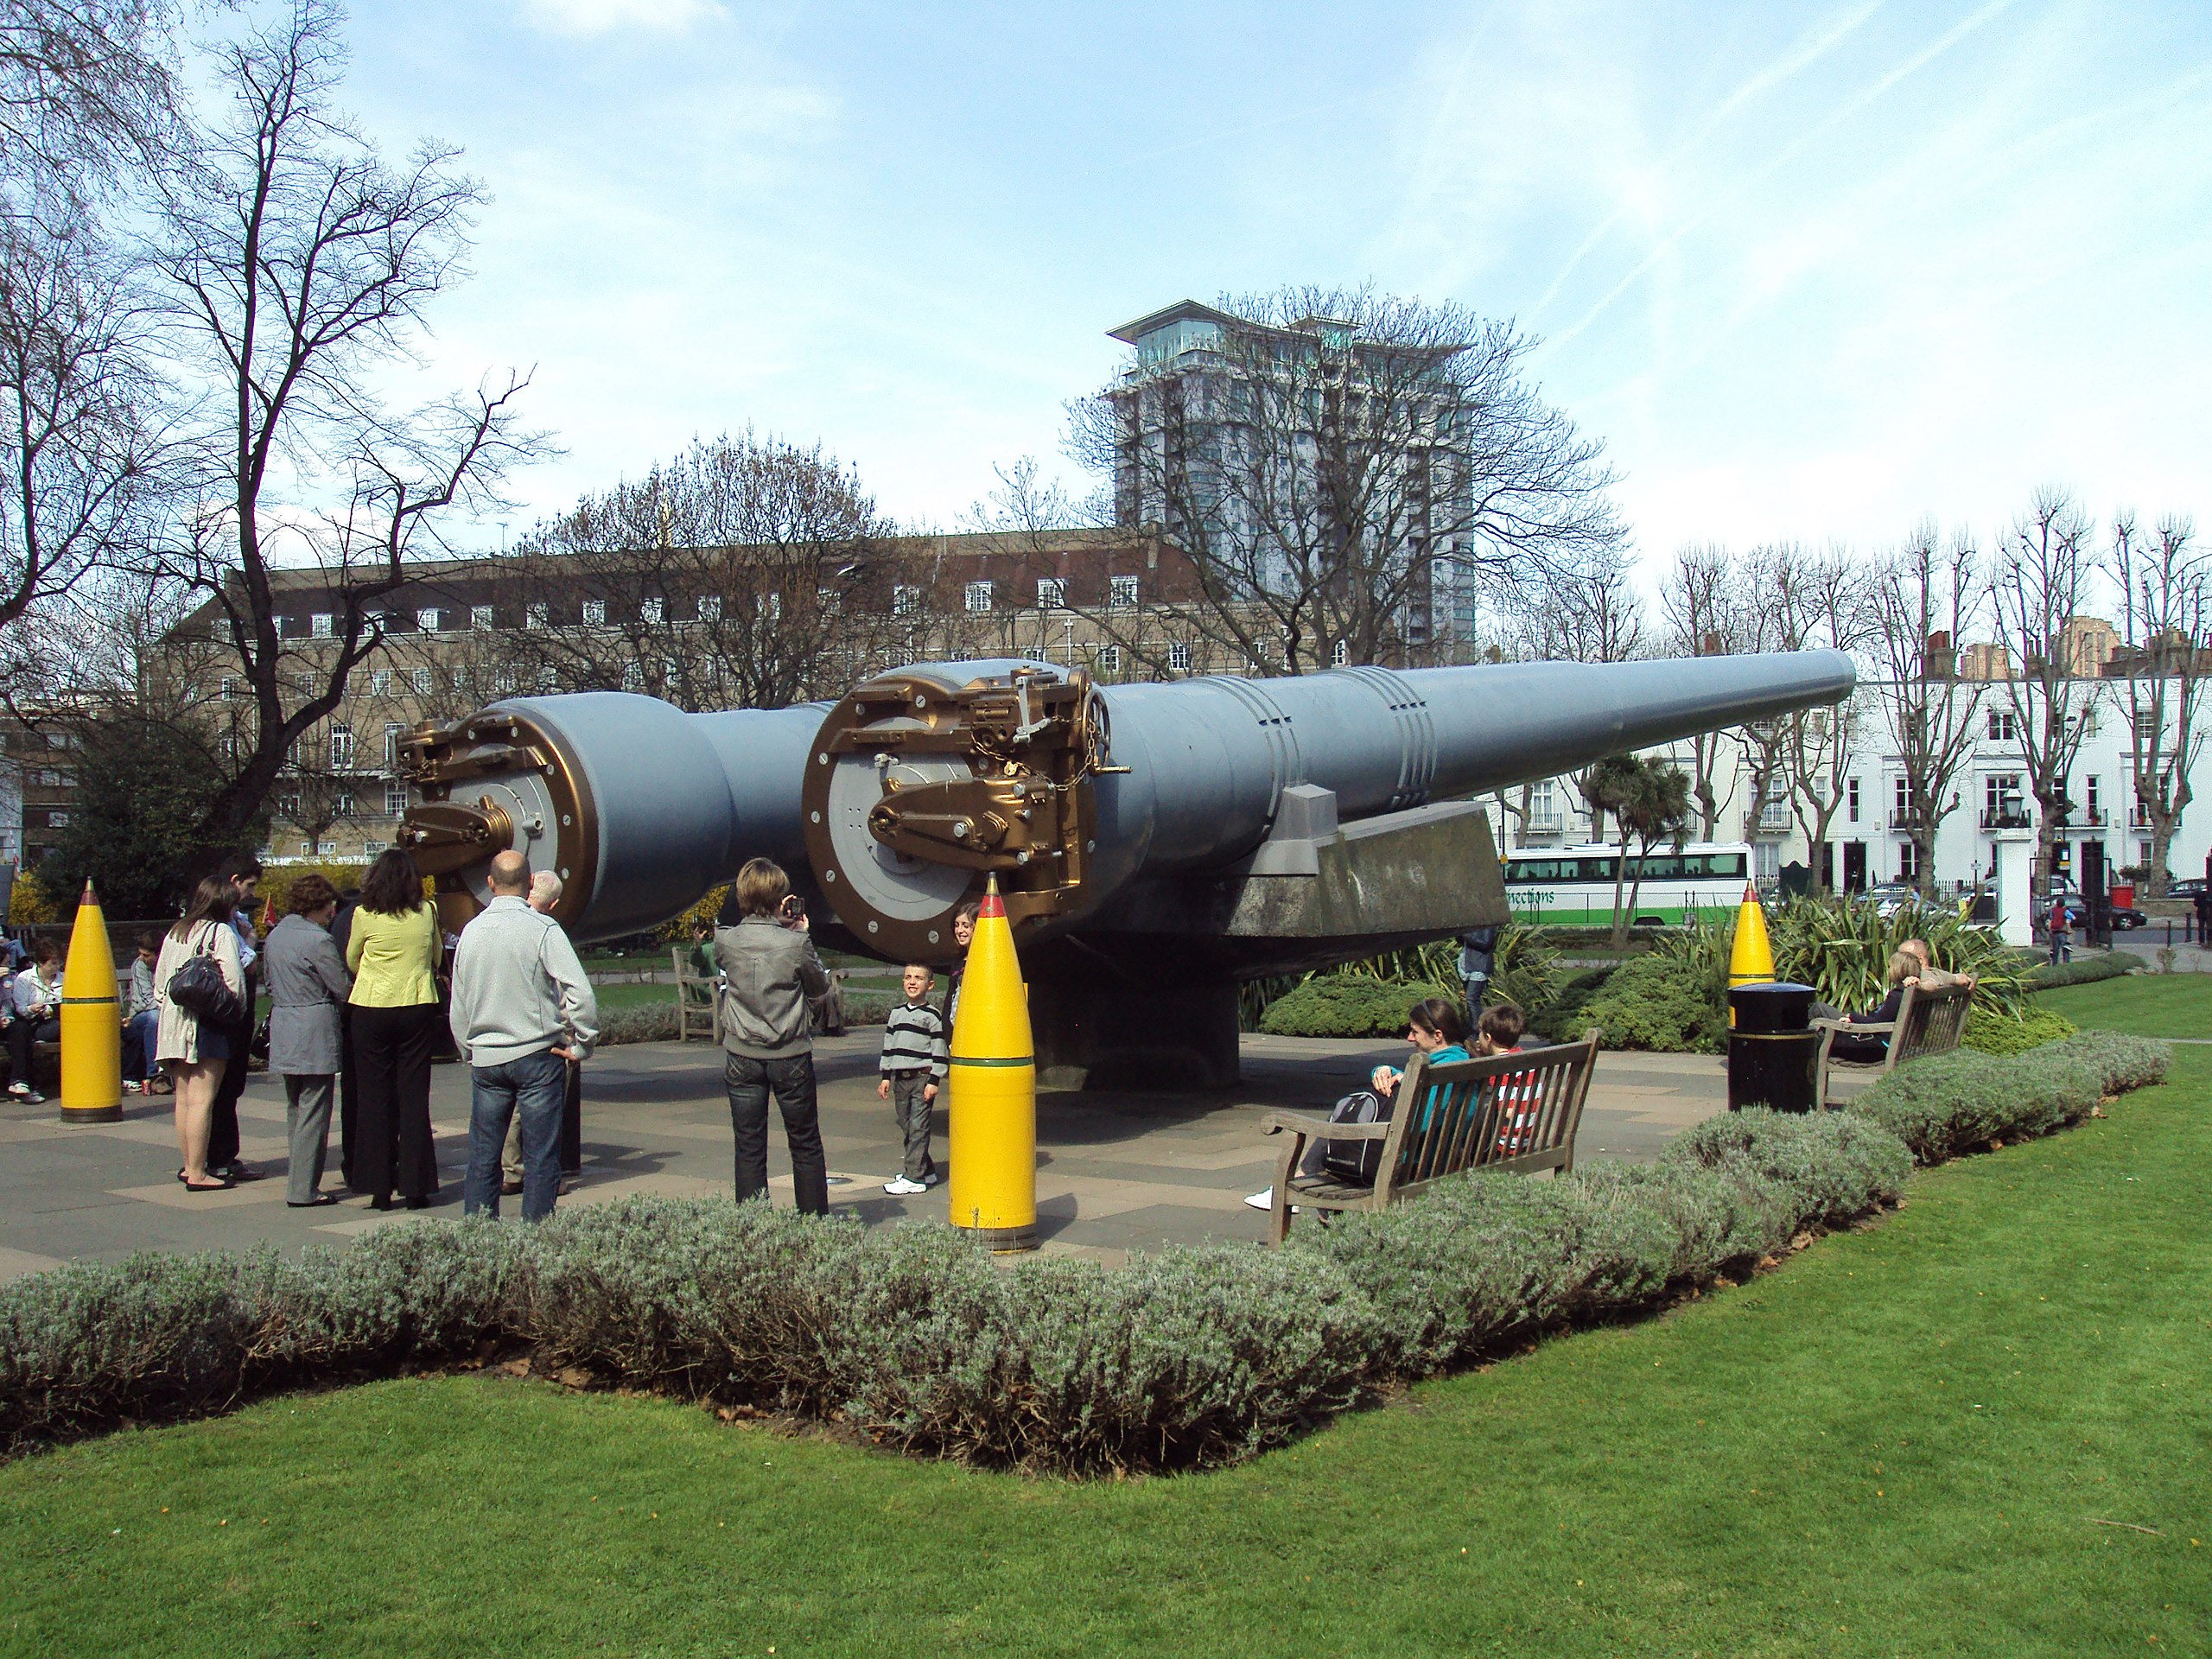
{"x":1155,"y":844}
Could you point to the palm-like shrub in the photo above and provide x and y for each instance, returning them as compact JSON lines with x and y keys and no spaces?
{"x":1842,"y":948}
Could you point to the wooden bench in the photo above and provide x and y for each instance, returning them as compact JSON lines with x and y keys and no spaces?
{"x":698,"y":1002}
{"x":698,"y":998}
{"x":1512,"y":1112}
{"x":1928,"y":1022}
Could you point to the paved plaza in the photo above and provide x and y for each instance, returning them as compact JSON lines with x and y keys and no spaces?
{"x":1115,"y":1172}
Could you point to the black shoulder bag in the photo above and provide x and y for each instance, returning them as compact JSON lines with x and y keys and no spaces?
{"x":198,"y":986}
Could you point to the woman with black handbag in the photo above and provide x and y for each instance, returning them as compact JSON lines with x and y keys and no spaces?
{"x":392,"y":952}
{"x":198,"y":991}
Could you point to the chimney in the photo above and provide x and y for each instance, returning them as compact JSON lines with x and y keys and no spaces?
{"x":1939,"y":661}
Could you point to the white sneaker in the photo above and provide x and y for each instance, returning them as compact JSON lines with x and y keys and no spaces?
{"x":21,"y":1091}
{"x":1263,"y":1199}
{"x":904,"y":1187}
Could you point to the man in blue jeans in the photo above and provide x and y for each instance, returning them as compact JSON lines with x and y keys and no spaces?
{"x":522,"y":1010}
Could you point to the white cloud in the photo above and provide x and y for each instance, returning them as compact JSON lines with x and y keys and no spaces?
{"x":606,"y":16}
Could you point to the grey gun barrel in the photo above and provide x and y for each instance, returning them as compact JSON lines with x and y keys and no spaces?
{"x":904,"y":795}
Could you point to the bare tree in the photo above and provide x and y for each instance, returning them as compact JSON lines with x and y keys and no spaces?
{"x":81,"y":468}
{"x":1817,"y":602}
{"x":2165,"y":607}
{"x":2040,"y":585}
{"x":298,"y":264}
{"x":87,"y":88}
{"x":744,"y":574}
{"x":1338,"y":465}
{"x":1925,"y":599}
{"x":1709,"y":610}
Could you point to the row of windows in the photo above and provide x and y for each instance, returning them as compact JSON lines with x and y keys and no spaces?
{"x":1659,"y":866}
{"x":1121,"y":593}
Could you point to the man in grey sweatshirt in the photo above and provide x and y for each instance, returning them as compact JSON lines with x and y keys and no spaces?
{"x":522,"y":1010}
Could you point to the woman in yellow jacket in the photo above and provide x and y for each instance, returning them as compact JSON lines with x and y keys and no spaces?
{"x":393,"y":952}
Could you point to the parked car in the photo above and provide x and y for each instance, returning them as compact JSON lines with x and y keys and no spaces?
{"x":2124,"y":917}
{"x":1889,"y":897}
{"x":2188,"y":887}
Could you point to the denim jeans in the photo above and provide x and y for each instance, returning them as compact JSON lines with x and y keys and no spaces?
{"x":530,"y":1086}
{"x":140,"y":1037}
{"x":748,"y":1081}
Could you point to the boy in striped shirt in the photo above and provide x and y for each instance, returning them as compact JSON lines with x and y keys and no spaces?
{"x":913,"y":1068}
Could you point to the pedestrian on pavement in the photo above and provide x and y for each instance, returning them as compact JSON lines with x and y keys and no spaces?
{"x":243,"y":875}
{"x":770,"y":969}
{"x":964,"y":935}
{"x":1477,"y":958}
{"x":197,"y":1052}
{"x":914,"y":1067}
{"x":35,"y":1017}
{"x":522,"y":1011}
{"x":308,"y":985}
{"x":393,"y":953}
{"x":2060,"y":949}
{"x":349,"y":1083}
{"x":2203,"y":902}
{"x":142,"y":1021}
{"x":545,"y":891}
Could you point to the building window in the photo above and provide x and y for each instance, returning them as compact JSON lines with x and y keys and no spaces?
{"x":772,"y":606}
{"x":905,"y":602}
{"x":1543,"y":807}
{"x":2002,"y":805}
{"x":594,"y":613}
{"x":341,"y":749}
{"x":1900,"y":802}
{"x":649,"y":611}
{"x":534,"y":614}
{"x":57,"y":820}
{"x":2146,"y":724}
{"x":230,"y":688}
{"x":1051,"y":594}
{"x":420,"y":679}
{"x":391,"y":743}
{"x":979,"y":596}
{"x":710,"y":607}
{"x":633,"y":675}
{"x":344,"y":804}
{"x":395,"y":798}
{"x":670,"y":672}
{"x":1340,"y":654}
{"x":1121,"y":593}
{"x":57,"y":740}
{"x":548,"y":678}
{"x":503,"y":682}
{"x":427,"y":621}
{"x":479,"y":616}
{"x":327,"y":849}
{"x":373,"y":848}
{"x":1850,"y":799}
{"x":2096,"y":805}
{"x":380,"y":681}
{"x":1908,"y":861}
{"x":2003,"y":727}
{"x":307,"y":848}
{"x":1178,"y":659}
{"x":319,"y":625}
{"x":1109,"y":660}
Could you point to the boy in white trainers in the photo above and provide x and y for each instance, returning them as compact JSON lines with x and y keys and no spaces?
{"x":914,"y":1065}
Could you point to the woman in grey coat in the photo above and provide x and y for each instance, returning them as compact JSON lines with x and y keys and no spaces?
{"x":308,"y":984}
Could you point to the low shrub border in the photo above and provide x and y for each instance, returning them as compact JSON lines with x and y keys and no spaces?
{"x":911,"y":1339}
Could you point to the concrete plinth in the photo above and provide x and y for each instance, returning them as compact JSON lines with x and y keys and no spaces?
{"x":1106,"y":1033}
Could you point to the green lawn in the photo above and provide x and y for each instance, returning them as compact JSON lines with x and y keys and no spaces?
{"x":2148,"y":1005}
{"x":1903,"y":1443}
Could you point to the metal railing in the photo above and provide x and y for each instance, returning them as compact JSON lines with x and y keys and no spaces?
{"x":2006,"y":817}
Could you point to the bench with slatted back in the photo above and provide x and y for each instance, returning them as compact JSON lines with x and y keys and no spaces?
{"x":1929,"y":1021}
{"x":1513,"y":1112}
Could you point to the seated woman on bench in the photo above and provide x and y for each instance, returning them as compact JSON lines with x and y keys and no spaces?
{"x":1438,"y":1031}
{"x":1904,"y":969}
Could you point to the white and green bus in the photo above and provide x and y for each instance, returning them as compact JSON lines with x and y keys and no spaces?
{"x":1572,"y":887}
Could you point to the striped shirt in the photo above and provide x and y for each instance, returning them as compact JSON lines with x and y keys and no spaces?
{"x":913,"y":1040}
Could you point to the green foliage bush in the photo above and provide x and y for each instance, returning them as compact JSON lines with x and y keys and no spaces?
{"x":2082,"y":970}
{"x":911,"y":1338}
{"x":1652,"y":1002}
{"x":1347,"y":1005}
{"x":1842,"y":948}
{"x":1946,"y":1104}
{"x":1559,"y":1021}
{"x":1990,"y":1031}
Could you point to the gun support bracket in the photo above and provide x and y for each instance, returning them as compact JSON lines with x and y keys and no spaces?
{"x":919,"y":784}
{"x":492,"y":782}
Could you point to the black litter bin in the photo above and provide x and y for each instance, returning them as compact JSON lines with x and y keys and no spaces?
{"x":1772,"y":1051}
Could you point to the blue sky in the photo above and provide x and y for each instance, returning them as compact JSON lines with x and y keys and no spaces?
{"x":1810,"y":271}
